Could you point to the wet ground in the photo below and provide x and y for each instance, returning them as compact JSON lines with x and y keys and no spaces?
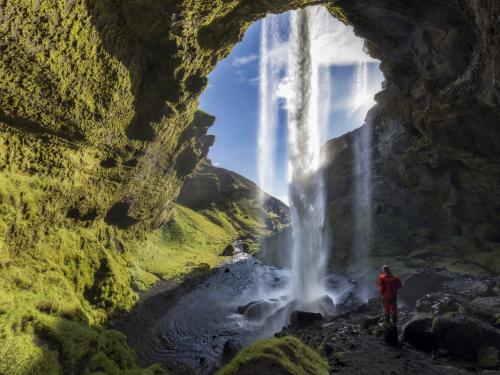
{"x":190,"y":324}
{"x":185,"y":328}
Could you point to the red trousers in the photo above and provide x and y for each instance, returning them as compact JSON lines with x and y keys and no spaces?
{"x":390,"y":307}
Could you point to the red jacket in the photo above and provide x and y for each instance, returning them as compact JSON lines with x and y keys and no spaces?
{"x":388,"y":286}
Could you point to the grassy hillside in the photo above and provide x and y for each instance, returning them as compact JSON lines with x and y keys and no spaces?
{"x":58,"y":295}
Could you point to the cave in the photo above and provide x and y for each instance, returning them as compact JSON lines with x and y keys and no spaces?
{"x":99,"y":100}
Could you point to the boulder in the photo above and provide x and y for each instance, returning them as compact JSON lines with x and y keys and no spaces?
{"x":488,"y":357}
{"x":256,"y":310}
{"x":420,"y":283}
{"x":371,"y":322}
{"x":463,"y":335}
{"x":486,"y":308}
{"x":228,"y":251}
{"x":245,"y":246}
{"x":389,"y":331}
{"x":301,"y":319}
{"x":325,"y":306}
{"x":418,"y":332}
{"x":231,"y":348}
{"x":482,"y":289}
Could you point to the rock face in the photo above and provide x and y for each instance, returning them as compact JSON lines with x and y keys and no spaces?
{"x":435,"y":140}
{"x":464,"y":336}
{"x":99,"y":127}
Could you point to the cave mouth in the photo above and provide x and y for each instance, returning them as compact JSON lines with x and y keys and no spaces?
{"x":245,"y":85}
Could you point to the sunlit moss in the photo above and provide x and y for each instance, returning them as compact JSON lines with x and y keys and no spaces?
{"x":286,"y":355}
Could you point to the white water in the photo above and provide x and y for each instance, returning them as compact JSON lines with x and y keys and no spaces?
{"x":268,"y":104}
{"x":362,"y":209}
{"x":307,"y":185}
{"x":316,"y":42}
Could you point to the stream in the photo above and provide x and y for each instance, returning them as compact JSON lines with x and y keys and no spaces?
{"x":196,"y":326}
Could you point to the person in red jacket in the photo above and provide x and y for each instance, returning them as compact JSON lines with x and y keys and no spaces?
{"x":388,"y":286}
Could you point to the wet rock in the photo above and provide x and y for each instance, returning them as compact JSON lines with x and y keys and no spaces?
{"x":439,"y":303}
{"x":231,"y":348}
{"x":463,"y":335}
{"x":482,"y":289}
{"x":324,"y":305}
{"x":328,"y":349}
{"x":389,"y":331}
{"x":301,"y":319}
{"x":420,"y":283}
{"x":340,"y":308}
{"x":340,"y":358}
{"x":488,"y":357}
{"x":371,"y":322}
{"x":257,"y":309}
{"x":486,"y":308}
{"x":245,"y":246}
{"x":365,"y":307}
{"x":418,"y":332}
{"x":228,"y":251}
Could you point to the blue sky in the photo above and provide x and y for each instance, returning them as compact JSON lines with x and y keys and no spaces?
{"x":232,"y":96}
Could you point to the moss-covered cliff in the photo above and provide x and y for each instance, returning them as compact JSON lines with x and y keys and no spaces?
{"x":99,"y":128}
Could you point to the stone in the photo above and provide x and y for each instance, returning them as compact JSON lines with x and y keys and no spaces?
{"x":371,"y":321}
{"x":231,"y":348}
{"x":228,"y":251}
{"x":463,"y":335}
{"x":488,"y":357}
{"x":301,"y":319}
{"x":482,"y":289}
{"x":256,"y":310}
{"x":418,"y":332}
{"x":245,"y":246}
{"x":486,"y":308}
{"x":387,"y":330}
{"x":420,"y":283}
{"x":439,"y":303}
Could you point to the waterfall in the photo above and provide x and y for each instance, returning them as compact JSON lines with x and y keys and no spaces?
{"x":362,"y":205}
{"x":316,"y":41}
{"x":307,"y":185}
{"x":268,"y":104}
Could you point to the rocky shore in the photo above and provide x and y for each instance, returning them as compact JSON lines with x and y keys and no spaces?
{"x":451,"y":331}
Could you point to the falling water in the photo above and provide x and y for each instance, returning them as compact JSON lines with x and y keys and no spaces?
{"x":362,"y":187}
{"x":307,"y":92}
{"x":268,"y":83}
{"x":307,"y":192}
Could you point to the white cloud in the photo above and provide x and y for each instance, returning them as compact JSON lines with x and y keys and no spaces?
{"x":244,"y":60}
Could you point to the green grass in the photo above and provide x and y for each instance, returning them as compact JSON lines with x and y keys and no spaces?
{"x":287,"y":355}
{"x":61,"y":281}
{"x":191,"y":239}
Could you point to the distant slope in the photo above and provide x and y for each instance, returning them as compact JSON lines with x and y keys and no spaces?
{"x":211,"y":188}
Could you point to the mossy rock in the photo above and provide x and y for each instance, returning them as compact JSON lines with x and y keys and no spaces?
{"x":277,"y":356}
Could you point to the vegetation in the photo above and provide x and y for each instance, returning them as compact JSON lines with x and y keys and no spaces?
{"x":286,"y":355}
{"x":58,"y":294}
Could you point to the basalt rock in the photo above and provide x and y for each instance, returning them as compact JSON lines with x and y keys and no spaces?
{"x":463,"y":335}
{"x":418,"y":332}
{"x":301,"y":319}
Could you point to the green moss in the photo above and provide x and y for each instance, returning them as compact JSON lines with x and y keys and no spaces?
{"x":286,"y":355}
{"x":187,"y":241}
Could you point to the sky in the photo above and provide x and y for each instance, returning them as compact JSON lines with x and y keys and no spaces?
{"x":232,"y":96}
